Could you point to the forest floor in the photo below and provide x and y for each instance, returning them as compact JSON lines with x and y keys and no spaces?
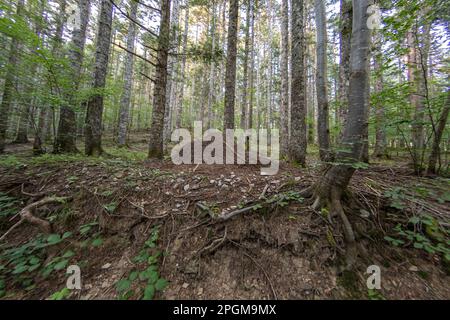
{"x":130,"y":222}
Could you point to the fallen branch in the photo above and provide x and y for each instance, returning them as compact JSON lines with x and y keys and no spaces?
{"x":26,"y":214}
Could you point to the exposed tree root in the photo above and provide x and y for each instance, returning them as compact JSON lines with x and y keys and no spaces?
{"x":324,"y":195}
{"x":26,"y":215}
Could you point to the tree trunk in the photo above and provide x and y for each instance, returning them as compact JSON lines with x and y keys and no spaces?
{"x":298,"y":140}
{"x":93,"y":128}
{"x":10,"y":79}
{"x":344,"y":66}
{"x":179,"y":106}
{"x":380,"y":130}
{"x":321,"y":81}
{"x":212,"y":66}
{"x":230,"y":73}
{"x":124,"y":113}
{"x":171,"y":72}
{"x":159,"y":95}
{"x":332,"y":185}
{"x":252,"y":67}
{"x":435,"y":151}
{"x":67,"y":128}
{"x":284,"y":69}
{"x":244,"y":104}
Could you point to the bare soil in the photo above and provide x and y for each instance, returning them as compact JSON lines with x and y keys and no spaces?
{"x":283,"y":251}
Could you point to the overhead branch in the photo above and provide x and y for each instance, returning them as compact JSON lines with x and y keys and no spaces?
{"x":134,"y":54}
{"x":146,"y":76}
{"x":125,"y":14}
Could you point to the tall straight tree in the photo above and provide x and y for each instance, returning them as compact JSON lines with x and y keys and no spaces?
{"x":380,"y":149}
{"x":284,"y":69}
{"x":171,"y":72}
{"x":67,"y":129}
{"x":159,"y":95}
{"x":230,"y":73}
{"x":298,"y":140}
{"x":10,"y":78}
{"x":329,"y":190}
{"x":212,"y":67}
{"x":244,"y":103}
{"x":124,"y":113}
{"x":179,"y":104}
{"x":321,"y":81}
{"x":26,"y":108}
{"x":93,"y":131}
{"x":344,"y":56}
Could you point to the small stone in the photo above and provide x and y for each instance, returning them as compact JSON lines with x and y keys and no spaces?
{"x":413,"y":268}
{"x":186,"y":187}
{"x":185,"y":285}
{"x":106,"y":266}
{"x":200,"y":291}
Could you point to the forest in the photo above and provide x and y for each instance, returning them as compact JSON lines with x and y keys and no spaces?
{"x":224,"y":149}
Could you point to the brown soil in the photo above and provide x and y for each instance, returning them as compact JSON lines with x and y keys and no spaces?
{"x":281,"y":251}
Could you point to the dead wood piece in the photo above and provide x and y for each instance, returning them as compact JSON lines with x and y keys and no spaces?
{"x":26,"y":214}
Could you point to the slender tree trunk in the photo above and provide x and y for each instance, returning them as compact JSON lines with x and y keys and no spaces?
{"x":93,"y":129}
{"x":270,"y":69}
{"x":435,"y":151}
{"x":179,"y":107}
{"x":380,"y":130}
{"x":171,"y":72}
{"x":251,"y":72}
{"x":212,"y":66}
{"x":244,"y":104}
{"x":124,"y":113}
{"x":321,"y":81}
{"x":230,"y":73}
{"x":67,"y":128}
{"x":284,"y":69}
{"x":298,"y":141}
{"x":10,"y":79}
{"x":159,"y":95}
{"x":344,"y":66}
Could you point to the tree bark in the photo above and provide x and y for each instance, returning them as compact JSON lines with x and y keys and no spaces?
{"x":67,"y":128}
{"x":212,"y":68}
{"x":10,"y":79}
{"x":331,"y":186}
{"x":171,"y":72}
{"x":284,"y":70}
{"x":244,"y":103}
{"x":298,"y":140}
{"x":93,"y":128}
{"x":380,"y":149}
{"x":124,"y":113}
{"x":159,"y":95}
{"x":230,"y":73}
{"x":344,"y":66}
{"x":179,"y":106}
{"x":321,"y":81}
{"x":435,"y":151}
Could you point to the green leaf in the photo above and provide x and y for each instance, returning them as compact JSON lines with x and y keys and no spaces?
{"x":20,"y":269}
{"x":123,"y":285}
{"x":418,"y":245}
{"x":133,"y":275}
{"x":34,"y":267}
{"x":66,"y":235}
{"x":61,"y":265}
{"x":54,"y":239}
{"x":149,"y":292}
{"x":97,"y":242}
{"x":68,"y":254}
{"x":161,"y":284}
